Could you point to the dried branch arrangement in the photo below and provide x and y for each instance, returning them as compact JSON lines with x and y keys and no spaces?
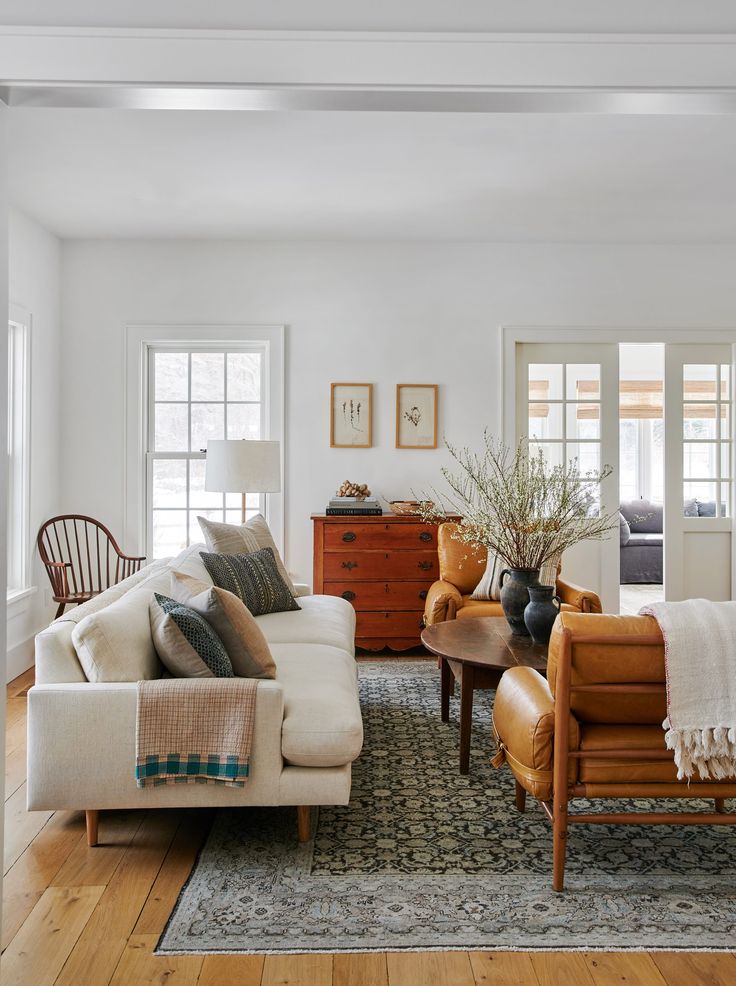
{"x":518,"y":505}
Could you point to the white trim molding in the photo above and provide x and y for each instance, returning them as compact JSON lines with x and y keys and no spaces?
{"x":139,"y":339}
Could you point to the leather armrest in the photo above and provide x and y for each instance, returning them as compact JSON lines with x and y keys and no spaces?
{"x":582,"y":599}
{"x":442,"y":603}
{"x":524,"y":727}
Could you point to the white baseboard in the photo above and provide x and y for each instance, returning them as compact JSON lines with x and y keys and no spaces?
{"x":20,"y":658}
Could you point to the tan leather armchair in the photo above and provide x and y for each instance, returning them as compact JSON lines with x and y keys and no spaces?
{"x":461,"y":568}
{"x":593,"y":729}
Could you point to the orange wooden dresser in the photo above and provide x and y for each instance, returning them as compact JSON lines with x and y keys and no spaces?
{"x":383,"y":566}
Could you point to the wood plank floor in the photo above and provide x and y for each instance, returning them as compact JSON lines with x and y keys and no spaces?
{"x":92,"y":917}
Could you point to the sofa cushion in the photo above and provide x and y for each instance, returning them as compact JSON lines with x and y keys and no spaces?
{"x":322,"y":724}
{"x":624,"y":529}
{"x":644,"y":517}
{"x":189,"y":562}
{"x":326,"y":620}
{"x":253,"y":578}
{"x":646,"y":540}
{"x":233,"y":623}
{"x":115,"y":643}
{"x":622,"y":771}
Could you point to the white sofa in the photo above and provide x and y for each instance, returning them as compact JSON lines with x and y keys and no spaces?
{"x":308,"y":726}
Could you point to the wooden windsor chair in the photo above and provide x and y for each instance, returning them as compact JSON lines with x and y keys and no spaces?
{"x":82,"y":558}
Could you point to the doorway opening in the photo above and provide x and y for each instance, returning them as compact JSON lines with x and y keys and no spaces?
{"x":641,"y":474}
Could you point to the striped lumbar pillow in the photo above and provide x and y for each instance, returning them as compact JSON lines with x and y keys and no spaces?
{"x":489,"y":586}
{"x":254,"y":578}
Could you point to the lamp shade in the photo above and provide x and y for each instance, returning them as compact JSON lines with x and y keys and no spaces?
{"x":236,"y":466}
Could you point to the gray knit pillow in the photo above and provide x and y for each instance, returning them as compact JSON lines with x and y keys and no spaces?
{"x":254,"y":578}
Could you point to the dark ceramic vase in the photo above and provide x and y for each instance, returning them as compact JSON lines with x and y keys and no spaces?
{"x":541,"y":612}
{"x":515,"y":583}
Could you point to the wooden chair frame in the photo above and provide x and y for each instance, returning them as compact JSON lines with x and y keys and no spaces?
{"x":73,"y":581}
{"x":563,"y":792}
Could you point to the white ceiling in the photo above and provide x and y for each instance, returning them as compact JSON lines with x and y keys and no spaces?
{"x":105,"y":173}
{"x":381,"y":15}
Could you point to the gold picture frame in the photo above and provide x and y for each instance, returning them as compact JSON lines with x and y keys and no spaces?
{"x":417,"y":415}
{"x":351,"y":415}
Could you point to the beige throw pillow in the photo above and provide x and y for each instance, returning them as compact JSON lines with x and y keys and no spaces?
{"x":549,"y":570}
{"x":243,"y":539}
{"x":115,"y":644}
{"x":233,"y":623}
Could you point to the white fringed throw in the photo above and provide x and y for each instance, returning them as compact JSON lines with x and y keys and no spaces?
{"x":700,"y":666}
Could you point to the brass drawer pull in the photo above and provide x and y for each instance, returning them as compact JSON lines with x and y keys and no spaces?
{"x":348,"y":595}
{"x":423,"y":594}
{"x":424,"y":565}
{"x":350,"y":565}
{"x":349,"y":536}
{"x":425,"y":536}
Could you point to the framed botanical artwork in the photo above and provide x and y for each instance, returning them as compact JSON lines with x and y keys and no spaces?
{"x":416,"y":415}
{"x":351,"y":410}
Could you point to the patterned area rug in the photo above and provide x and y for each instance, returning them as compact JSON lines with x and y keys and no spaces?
{"x":423,"y":858}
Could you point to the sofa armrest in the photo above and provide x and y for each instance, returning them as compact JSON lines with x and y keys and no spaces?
{"x":81,"y":750}
{"x":442,"y":603}
{"x":524,"y":728}
{"x":580,"y":599}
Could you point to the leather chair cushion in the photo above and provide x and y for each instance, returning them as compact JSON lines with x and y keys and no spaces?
{"x":617,"y":662}
{"x":624,"y":737}
{"x":479,"y":607}
{"x":524,"y":723}
{"x":461,"y":564}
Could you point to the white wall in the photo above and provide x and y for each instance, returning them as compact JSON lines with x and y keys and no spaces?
{"x":381,"y":313}
{"x":34,"y":271}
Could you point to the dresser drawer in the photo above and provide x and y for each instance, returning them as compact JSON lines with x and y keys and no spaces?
{"x":339,"y":537}
{"x":380,"y":595}
{"x":389,"y":625}
{"x":358,"y":566}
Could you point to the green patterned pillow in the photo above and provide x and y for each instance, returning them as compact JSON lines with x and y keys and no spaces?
{"x":185,"y":642}
{"x":254,"y":578}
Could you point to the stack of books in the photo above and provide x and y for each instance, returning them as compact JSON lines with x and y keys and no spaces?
{"x":351,"y":506}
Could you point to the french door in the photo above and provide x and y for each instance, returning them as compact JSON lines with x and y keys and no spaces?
{"x":567,"y":407}
{"x":699,"y":476}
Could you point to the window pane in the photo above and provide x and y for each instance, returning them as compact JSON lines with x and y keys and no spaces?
{"x":699,"y":381}
{"x":699,"y":460}
{"x":199,"y":498}
{"x":171,"y":373}
{"x":545,"y":421}
{"x":583,"y":420}
{"x":593,"y":498}
{"x":705,"y":494}
{"x":725,"y":421}
{"x":169,"y":532}
{"x":208,"y":421}
{"x":244,"y":421}
{"x":252,"y":502}
{"x":629,"y":459}
{"x":233,"y":516}
{"x":588,"y":456}
{"x":656,"y":472}
{"x":553,"y":453}
{"x":583,"y":381}
{"x":169,"y":483}
{"x":244,"y":376}
{"x":545,"y":381}
{"x":171,"y":433}
{"x":195,"y":531}
{"x":725,"y":499}
{"x":725,"y":460}
{"x":696,"y":424}
{"x":208,"y":376}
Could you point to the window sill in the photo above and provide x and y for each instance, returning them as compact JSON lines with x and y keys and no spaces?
{"x":18,"y":595}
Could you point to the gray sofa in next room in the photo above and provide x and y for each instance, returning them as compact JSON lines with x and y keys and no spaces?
{"x":642,"y":539}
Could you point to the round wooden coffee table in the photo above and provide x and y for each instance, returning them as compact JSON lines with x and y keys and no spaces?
{"x":476,"y":652}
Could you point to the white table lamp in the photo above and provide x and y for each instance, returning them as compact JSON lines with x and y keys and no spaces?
{"x":241,"y":466}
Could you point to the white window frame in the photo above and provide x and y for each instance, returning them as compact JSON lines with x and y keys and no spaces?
{"x":140,"y":341}
{"x":19,"y":454}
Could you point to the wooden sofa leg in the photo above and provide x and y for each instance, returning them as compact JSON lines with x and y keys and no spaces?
{"x":520,"y":798}
{"x":720,"y":805}
{"x":304,"y":822}
{"x":92,"y":817}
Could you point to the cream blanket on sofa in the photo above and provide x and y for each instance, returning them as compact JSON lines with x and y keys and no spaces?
{"x":700,"y":666}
